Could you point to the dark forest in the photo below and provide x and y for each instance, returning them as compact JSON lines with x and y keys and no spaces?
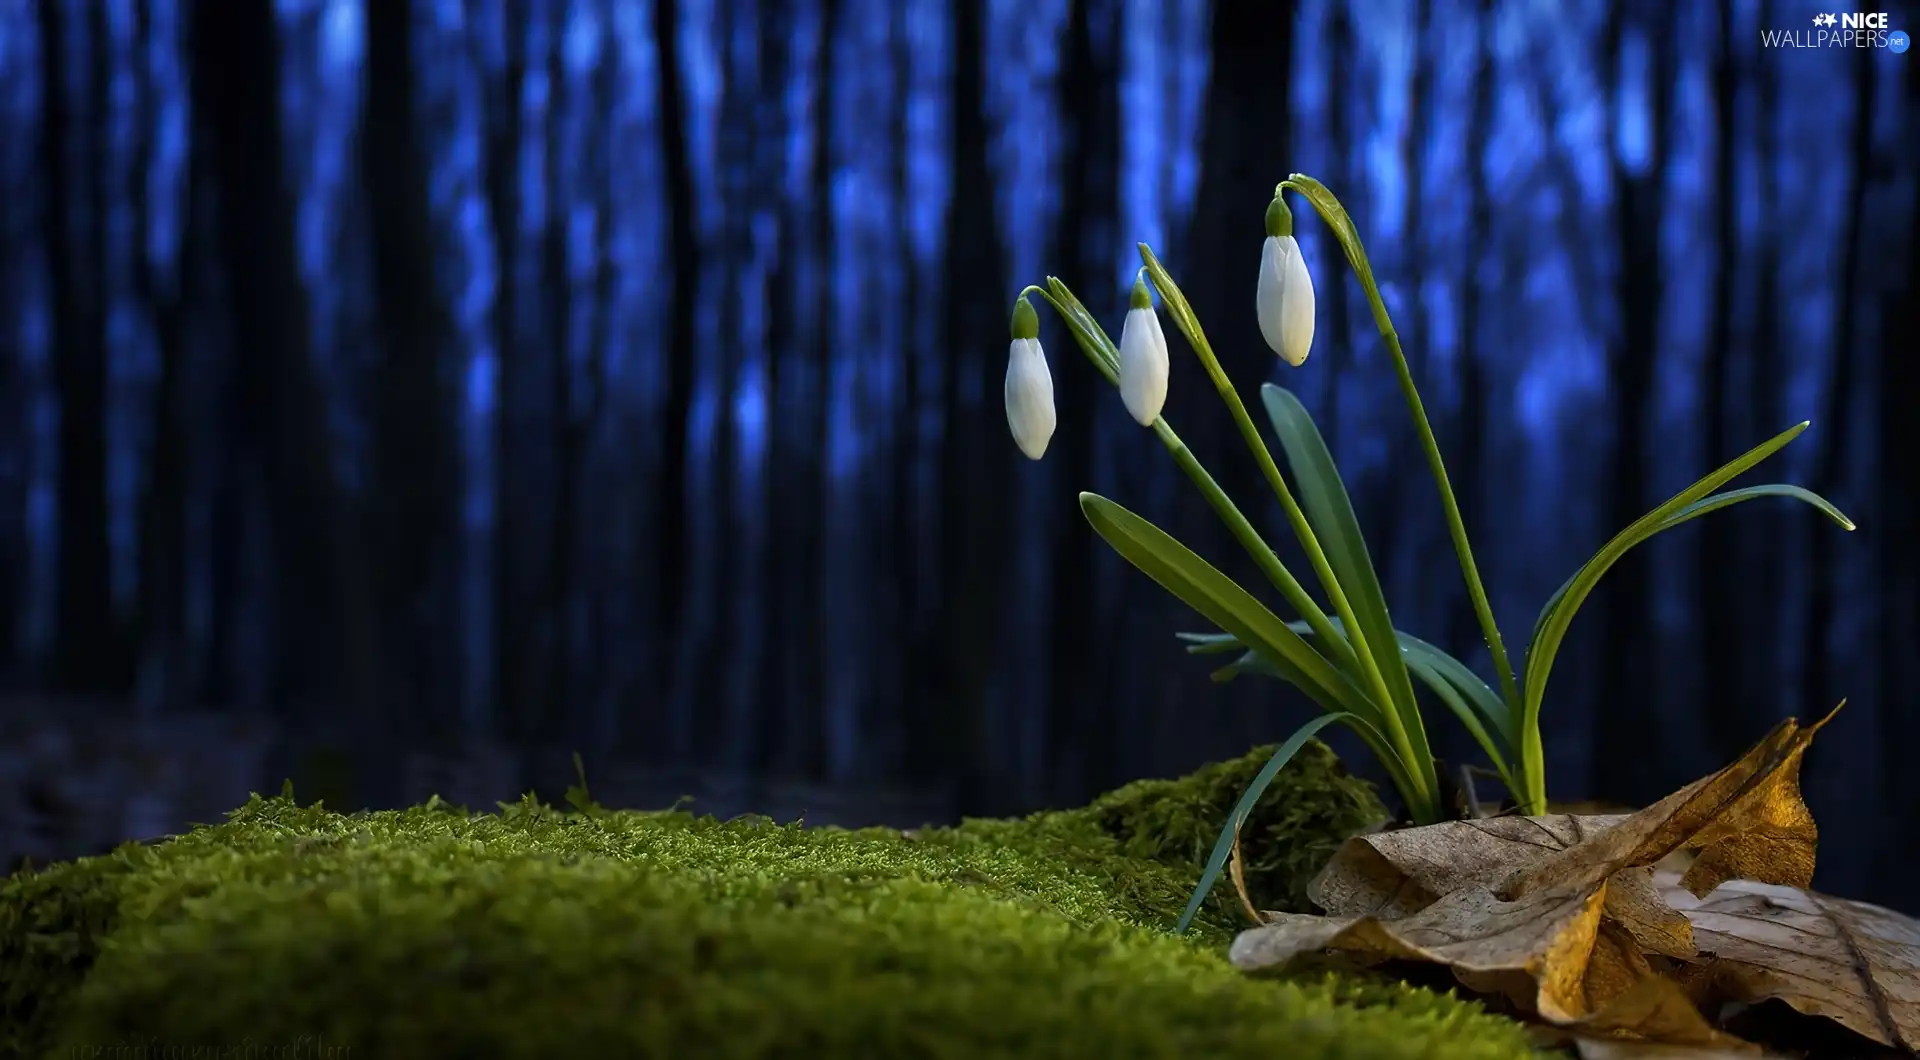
{"x":402,"y":397}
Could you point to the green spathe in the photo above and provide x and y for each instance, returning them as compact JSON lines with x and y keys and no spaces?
{"x":532,"y":932}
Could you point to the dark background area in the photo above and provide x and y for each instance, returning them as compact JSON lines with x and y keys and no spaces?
{"x":400,"y":397}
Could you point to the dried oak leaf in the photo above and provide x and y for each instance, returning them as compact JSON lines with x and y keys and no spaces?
{"x":1747,"y":821}
{"x":1851,"y":962}
{"x":1558,"y":913}
{"x":1552,"y":952}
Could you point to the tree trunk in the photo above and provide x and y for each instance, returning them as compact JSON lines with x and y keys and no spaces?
{"x":549,"y":696}
{"x":413,"y":485}
{"x":807,"y":629}
{"x":586,"y":671}
{"x":88,"y":640}
{"x":1626,"y":703}
{"x":278,"y":429}
{"x":1830,"y":478}
{"x":1246,"y":145}
{"x":1895,"y":560}
{"x":684,"y":257}
{"x":1078,"y":740}
{"x":1470,"y":462}
{"x":973,"y":531}
{"x":167,"y":289}
{"x":512,"y":635}
{"x":1719,"y":577}
{"x":708,"y":690}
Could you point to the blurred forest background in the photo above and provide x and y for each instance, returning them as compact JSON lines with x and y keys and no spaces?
{"x":402,"y":396}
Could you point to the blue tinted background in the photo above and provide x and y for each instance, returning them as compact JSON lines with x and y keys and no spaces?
{"x":400,"y":397}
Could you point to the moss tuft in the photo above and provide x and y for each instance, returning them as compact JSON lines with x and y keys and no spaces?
{"x":534,"y":932}
{"x":1309,"y":809}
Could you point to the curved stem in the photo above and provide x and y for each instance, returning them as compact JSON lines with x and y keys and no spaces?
{"x":1532,"y":765}
{"x":1409,"y":774}
{"x":1367,"y":667}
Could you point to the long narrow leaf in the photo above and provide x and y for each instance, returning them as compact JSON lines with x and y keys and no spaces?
{"x":1489,"y":709}
{"x":1477,"y":693}
{"x":1224,"y":847}
{"x":1478,"y":708}
{"x":1210,"y":643}
{"x":1700,"y":508}
{"x":1329,"y":510}
{"x":1554,"y":630}
{"x":1376,"y":741}
{"x":1469,"y":718}
{"x":1202,"y":587}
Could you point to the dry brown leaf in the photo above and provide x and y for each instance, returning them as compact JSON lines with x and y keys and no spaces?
{"x":1635,"y":903}
{"x":1534,"y":950}
{"x":1559,"y":913}
{"x":1393,"y":874}
{"x":1747,"y":821}
{"x":1851,"y":962}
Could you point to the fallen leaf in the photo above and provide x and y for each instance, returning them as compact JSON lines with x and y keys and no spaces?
{"x":1393,"y":874}
{"x":1747,"y":821}
{"x":1562,"y":914}
{"x":1534,"y":950}
{"x":1851,"y":962}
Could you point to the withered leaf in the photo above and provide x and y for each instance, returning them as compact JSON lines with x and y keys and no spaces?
{"x":1561,"y":913}
{"x":1747,"y":822}
{"x":1535,"y":950}
{"x":1393,"y":874}
{"x":1851,"y":962}
{"x":1551,"y":953}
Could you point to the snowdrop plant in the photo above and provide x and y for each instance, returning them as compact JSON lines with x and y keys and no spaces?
{"x":1353,"y":663}
{"x":1030,"y":411}
{"x":1285,"y":291}
{"x":1143,"y":356}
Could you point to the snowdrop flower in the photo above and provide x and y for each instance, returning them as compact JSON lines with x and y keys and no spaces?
{"x":1285,"y":291}
{"x":1029,"y":385}
{"x":1143,"y":358}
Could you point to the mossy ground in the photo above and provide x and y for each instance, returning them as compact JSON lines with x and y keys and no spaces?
{"x":536,"y":933}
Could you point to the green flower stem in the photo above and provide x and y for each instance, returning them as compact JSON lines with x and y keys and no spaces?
{"x":1532,"y":760}
{"x":1397,"y":766}
{"x":1422,"y":796}
{"x":1095,"y":343}
{"x":1367,"y":667}
{"x":1098,"y":346}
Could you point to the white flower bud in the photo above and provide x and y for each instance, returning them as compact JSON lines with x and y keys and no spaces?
{"x":1030,"y":412}
{"x":1285,"y":292}
{"x":1143,"y":358}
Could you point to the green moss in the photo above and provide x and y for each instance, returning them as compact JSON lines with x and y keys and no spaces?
{"x":536,"y":933}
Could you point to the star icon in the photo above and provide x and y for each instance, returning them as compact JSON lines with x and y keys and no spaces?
{"x":1829,"y":19}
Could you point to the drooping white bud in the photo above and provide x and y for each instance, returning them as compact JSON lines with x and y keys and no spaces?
{"x":1143,"y":358}
{"x":1030,"y":412}
{"x":1285,"y":292}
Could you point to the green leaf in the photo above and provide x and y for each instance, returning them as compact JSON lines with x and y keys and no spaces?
{"x":1480,"y":709}
{"x":1324,"y":499}
{"x":1470,"y":718}
{"x":1223,"y":848}
{"x":1700,"y":508}
{"x":1211,"y":643}
{"x":1490,"y":710}
{"x":1086,"y":331}
{"x":1693,"y":501}
{"x":1204,"y":588}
